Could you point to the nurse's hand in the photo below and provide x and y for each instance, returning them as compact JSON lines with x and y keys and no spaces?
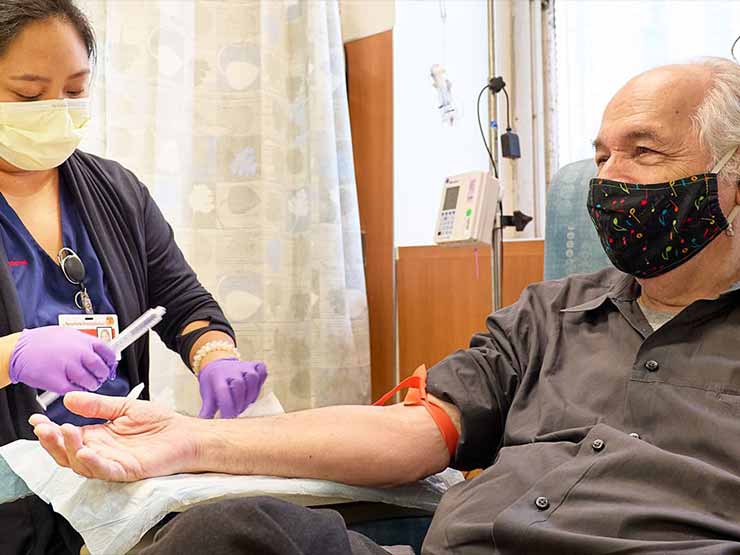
{"x":230,"y":385}
{"x":61,"y":360}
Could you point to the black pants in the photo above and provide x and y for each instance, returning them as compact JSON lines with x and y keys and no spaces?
{"x":259,"y":526}
{"x":30,"y":527}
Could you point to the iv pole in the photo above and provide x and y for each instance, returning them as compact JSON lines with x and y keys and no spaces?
{"x":497,"y":243}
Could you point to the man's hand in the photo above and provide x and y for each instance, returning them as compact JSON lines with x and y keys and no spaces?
{"x":141,"y":439}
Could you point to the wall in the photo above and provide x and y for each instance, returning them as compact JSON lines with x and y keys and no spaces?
{"x":600,"y":45}
{"x":363,"y":18}
{"x":425,"y":150}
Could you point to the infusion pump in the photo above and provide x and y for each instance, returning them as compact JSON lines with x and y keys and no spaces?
{"x":467,"y":210}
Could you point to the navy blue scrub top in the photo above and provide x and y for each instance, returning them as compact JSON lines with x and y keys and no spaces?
{"x":43,"y":290}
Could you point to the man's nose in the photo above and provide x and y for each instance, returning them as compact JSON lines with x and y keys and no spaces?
{"x":615,"y":168}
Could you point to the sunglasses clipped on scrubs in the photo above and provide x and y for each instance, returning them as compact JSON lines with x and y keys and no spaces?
{"x":74,"y":271}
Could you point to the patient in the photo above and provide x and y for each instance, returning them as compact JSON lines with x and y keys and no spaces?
{"x":604,"y":408}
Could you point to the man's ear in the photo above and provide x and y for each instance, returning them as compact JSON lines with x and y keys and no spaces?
{"x":737,"y":192}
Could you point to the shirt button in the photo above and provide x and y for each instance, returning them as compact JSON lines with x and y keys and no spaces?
{"x":652,"y":365}
{"x":542,"y":503}
{"x":598,"y":445}
{"x":635,"y":435}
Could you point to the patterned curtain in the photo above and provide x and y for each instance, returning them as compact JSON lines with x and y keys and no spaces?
{"x":234,"y":113}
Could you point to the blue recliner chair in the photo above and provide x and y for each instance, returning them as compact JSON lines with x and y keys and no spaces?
{"x":571,"y":243}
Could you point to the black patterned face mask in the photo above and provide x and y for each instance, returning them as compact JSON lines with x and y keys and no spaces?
{"x":647,"y":230}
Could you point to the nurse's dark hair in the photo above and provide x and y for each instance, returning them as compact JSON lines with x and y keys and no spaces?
{"x":16,"y":15}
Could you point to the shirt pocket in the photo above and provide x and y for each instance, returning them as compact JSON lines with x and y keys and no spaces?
{"x":696,"y":420}
{"x":729,"y":397}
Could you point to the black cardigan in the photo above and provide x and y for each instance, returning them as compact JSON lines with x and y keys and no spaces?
{"x":143,"y":268}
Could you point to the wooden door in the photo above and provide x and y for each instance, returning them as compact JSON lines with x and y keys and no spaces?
{"x":370,"y":88}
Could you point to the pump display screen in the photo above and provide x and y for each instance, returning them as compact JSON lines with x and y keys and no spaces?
{"x":451,"y":198}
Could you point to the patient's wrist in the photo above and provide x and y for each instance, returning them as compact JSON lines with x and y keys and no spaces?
{"x":209,"y":439}
{"x":230,"y":447}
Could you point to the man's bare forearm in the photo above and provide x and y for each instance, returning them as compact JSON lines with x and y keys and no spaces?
{"x":361,"y":445}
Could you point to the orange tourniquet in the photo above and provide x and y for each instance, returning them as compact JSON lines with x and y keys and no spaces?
{"x":417,"y":395}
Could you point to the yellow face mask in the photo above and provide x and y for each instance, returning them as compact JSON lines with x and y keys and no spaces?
{"x":41,"y":135}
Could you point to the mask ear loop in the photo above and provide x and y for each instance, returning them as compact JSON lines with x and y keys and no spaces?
{"x":722,"y":161}
{"x":730,"y":231}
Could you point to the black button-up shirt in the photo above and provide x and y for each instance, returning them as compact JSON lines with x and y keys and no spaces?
{"x":598,"y":435}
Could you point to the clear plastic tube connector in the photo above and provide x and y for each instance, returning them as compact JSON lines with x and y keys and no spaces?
{"x":125,"y":339}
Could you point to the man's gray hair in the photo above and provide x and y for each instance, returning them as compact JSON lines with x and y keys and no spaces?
{"x":718,"y":117}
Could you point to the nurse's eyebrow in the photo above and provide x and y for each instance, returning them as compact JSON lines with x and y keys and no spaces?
{"x":30,"y":77}
{"x":38,"y":78}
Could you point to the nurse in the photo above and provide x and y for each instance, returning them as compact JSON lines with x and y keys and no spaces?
{"x":84,"y":251}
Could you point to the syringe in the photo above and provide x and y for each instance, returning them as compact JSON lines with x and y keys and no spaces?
{"x":138,"y":327}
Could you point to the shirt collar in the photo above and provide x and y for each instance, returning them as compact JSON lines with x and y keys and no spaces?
{"x":623,"y":289}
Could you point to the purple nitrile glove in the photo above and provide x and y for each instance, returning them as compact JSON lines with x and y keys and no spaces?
{"x":61,"y":360}
{"x":230,"y":385}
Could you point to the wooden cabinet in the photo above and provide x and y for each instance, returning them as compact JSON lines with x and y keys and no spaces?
{"x":444,"y":295}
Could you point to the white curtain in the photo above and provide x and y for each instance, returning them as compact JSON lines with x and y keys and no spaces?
{"x":235,"y":114}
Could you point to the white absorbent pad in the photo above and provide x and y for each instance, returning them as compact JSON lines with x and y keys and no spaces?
{"x":112,"y":517}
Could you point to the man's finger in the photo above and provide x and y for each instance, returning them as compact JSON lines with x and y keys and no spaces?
{"x":50,"y":438}
{"x":73,"y":443}
{"x":37,"y":419}
{"x":100,"y":467}
{"x":91,"y":405}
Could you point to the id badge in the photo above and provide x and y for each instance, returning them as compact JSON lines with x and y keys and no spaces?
{"x":102,"y":326}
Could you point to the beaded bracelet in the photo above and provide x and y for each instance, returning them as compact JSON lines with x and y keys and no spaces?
{"x":217,"y":345}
